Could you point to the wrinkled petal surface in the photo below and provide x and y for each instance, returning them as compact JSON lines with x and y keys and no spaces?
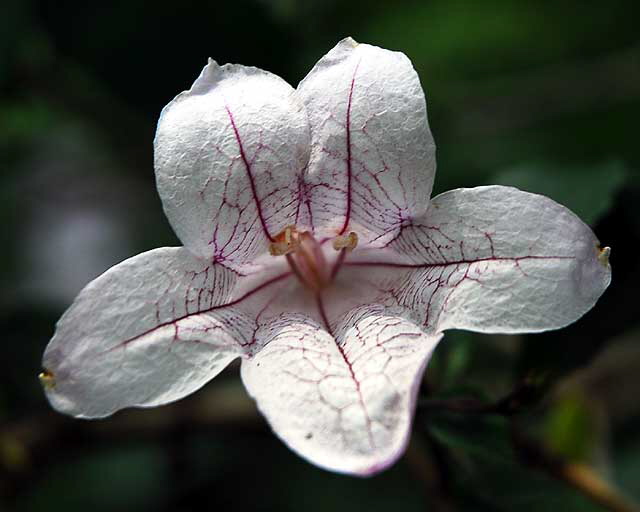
{"x":373,"y":157}
{"x":495,"y":259}
{"x":228,"y":156}
{"x":149,"y":331}
{"x":344,"y":403}
{"x":334,"y":364}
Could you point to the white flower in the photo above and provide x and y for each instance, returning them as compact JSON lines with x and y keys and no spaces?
{"x":312,"y":252}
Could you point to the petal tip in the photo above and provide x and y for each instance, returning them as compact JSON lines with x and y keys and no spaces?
{"x":47,"y":379}
{"x":603,"y":256}
{"x":206,"y":78}
{"x":349,"y":41}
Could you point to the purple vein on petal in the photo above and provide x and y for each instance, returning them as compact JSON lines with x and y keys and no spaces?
{"x":174,"y":321}
{"x":347,"y":215}
{"x":391,"y":264}
{"x":349,"y":365}
{"x":247,"y":167}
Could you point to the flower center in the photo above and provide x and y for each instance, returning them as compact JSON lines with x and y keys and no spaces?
{"x":306,"y":257}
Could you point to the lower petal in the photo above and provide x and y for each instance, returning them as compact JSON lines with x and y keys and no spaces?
{"x":344,"y":401}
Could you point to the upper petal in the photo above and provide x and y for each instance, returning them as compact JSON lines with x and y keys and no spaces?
{"x":496,"y":259}
{"x":228,"y":156}
{"x":373,"y":157}
{"x":344,"y":403}
{"x":149,"y":331}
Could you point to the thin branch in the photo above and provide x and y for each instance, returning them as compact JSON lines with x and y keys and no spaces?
{"x":580,"y":477}
{"x":577,"y":475}
{"x":526,"y":393}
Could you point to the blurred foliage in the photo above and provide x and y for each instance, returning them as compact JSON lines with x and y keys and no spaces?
{"x":125,"y":478}
{"x":544,"y":96}
{"x":571,"y":429}
{"x":487,"y":470}
{"x":590,"y":201}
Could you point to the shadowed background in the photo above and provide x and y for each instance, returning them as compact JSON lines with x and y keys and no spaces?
{"x":544,"y":96}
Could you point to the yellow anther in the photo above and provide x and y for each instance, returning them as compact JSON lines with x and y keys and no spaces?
{"x":348,"y":242}
{"x":47,"y":379}
{"x":603,"y":255}
{"x":285,"y":242}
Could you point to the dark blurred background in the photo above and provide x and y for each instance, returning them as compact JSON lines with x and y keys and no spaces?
{"x":541,"y":95}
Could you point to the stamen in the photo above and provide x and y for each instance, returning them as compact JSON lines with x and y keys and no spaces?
{"x":306,"y":257}
{"x":287,"y":241}
{"x":347,"y":242}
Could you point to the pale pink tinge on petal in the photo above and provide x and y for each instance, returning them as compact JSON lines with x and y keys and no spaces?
{"x":333,"y":347}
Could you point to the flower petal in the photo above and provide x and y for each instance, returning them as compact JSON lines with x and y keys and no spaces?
{"x":228,"y":155}
{"x":149,"y":331}
{"x":343,"y":403}
{"x":496,"y":259}
{"x":373,"y":157}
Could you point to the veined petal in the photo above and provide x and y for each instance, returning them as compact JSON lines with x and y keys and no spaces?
{"x":229,"y":154}
{"x":373,"y":157}
{"x":496,"y":259}
{"x":149,"y":331}
{"x":344,"y":403}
